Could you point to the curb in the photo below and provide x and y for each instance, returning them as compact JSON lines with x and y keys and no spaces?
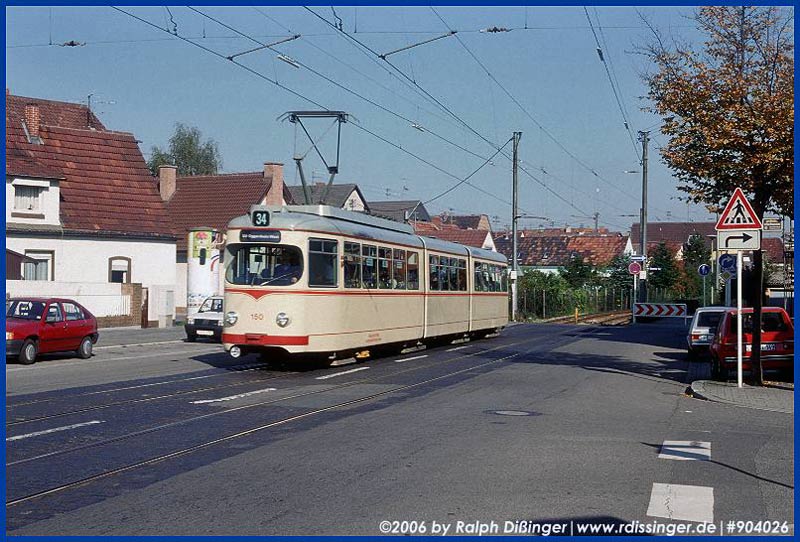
{"x":697,"y":391}
{"x":155,"y":343}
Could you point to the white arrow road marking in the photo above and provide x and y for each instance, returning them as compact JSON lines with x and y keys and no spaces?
{"x":54,"y":430}
{"x":409,"y":359}
{"x":685,"y":450}
{"x":682,"y":503}
{"x":456,"y":348}
{"x":325,"y":377}
{"x":232,"y":397}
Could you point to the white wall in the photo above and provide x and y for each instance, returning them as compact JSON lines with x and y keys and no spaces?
{"x":48,"y":201}
{"x":101,"y":299}
{"x":353,"y":202}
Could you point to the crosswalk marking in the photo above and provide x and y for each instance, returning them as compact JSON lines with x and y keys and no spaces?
{"x":409,"y":359}
{"x":685,"y":450}
{"x":53,"y":430}
{"x":682,"y":503}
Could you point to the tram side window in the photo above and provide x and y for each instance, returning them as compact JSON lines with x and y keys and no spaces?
{"x":433,"y":283}
{"x":370,"y":266}
{"x":399,"y":271}
{"x":322,"y":263}
{"x":480,"y":282}
{"x":444,"y":281}
{"x":384,"y":268}
{"x":462,"y":275}
{"x":452,"y":274}
{"x":413,"y":270}
{"x":503,"y":279}
{"x":352,"y":265}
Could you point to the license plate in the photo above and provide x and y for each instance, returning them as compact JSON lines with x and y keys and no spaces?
{"x":765,"y":347}
{"x":205,"y":332}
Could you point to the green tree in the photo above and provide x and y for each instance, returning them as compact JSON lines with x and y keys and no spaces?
{"x":728,"y":114}
{"x":695,"y":254}
{"x":617,"y":275}
{"x":188,"y":152}
{"x":578,"y":273}
{"x":667,"y":274}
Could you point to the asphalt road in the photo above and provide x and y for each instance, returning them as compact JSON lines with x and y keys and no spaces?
{"x":546,"y":423}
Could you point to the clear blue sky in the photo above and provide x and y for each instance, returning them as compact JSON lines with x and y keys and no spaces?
{"x":552,"y":68}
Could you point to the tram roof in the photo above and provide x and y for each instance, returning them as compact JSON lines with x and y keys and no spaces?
{"x":325,"y":218}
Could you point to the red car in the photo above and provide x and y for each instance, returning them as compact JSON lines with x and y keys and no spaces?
{"x":777,"y":342}
{"x":39,"y":326}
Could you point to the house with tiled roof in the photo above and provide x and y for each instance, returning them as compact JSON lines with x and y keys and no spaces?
{"x":82,"y":207}
{"x":673,"y":234}
{"x":212,"y":201}
{"x":346,"y":196}
{"x":465,"y":222}
{"x":399,"y":210}
{"x":552,"y":250}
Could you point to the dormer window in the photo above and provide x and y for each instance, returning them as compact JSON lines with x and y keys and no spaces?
{"x":27,"y":198}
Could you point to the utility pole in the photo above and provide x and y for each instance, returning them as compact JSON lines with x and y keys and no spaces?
{"x":514,"y":217}
{"x":645,"y":137}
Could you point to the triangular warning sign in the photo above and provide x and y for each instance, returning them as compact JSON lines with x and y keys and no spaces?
{"x":738,"y":214}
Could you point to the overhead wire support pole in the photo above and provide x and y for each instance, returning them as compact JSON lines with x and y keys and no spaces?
{"x":645,"y":137}
{"x":514,"y":218}
{"x":407,"y":47}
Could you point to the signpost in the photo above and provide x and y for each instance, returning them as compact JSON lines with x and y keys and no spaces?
{"x":704,"y":270}
{"x":634,"y":269}
{"x":738,"y":228}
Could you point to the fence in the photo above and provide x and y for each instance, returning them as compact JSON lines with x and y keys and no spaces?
{"x":542,"y":303}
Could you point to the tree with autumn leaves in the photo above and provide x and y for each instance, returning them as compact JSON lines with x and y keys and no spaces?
{"x":728,"y":113}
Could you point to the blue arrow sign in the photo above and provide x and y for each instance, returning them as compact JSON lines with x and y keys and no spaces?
{"x":727,"y":262}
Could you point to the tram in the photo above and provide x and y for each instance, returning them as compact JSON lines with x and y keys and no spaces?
{"x":322,"y":281}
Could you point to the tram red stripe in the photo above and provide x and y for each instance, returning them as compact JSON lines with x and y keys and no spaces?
{"x":265,"y":340}
{"x":257,"y":294}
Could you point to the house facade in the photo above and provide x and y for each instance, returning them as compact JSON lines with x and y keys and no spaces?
{"x":345,"y":196}
{"x":83,"y":211}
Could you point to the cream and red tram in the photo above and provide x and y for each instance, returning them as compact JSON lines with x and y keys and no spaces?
{"x":320,"y":280}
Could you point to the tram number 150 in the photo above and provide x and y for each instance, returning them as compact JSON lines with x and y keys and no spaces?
{"x":257,"y":316}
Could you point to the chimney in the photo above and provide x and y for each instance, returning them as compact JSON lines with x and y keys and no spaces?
{"x":273,"y":174}
{"x":167,"y":181}
{"x":32,"y":120}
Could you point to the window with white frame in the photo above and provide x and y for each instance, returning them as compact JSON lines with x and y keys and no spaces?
{"x":40,"y":265}
{"x":27,"y":198}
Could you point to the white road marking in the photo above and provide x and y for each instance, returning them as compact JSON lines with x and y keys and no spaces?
{"x":325,"y":377}
{"x":682,"y":503}
{"x":685,"y":450}
{"x":232,"y":397}
{"x":456,"y":348}
{"x":54,"y":430}
{"x":409,"y":359}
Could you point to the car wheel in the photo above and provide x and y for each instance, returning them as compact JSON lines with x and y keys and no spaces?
{"x":191,"y":337}
{"x":85,"y":349}
{"x":691,"y":354}
{"x":28,"y":352}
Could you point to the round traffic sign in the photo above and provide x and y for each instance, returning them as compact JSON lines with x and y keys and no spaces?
{"x":727,"y":262}
{"x":704,"y":270}
{"x":635,"y":268}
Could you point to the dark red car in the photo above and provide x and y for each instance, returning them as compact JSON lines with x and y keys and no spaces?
{"x":777,"y":342}
{"x":40,"y":325}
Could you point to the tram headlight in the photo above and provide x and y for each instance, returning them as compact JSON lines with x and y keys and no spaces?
{"x":282,"y":319}
{"x":231,"y":317}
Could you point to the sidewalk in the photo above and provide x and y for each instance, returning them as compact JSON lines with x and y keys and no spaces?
{"x":119,"y":336}
{"x":763,"y":398}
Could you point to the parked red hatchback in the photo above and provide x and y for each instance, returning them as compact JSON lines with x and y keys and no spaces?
{"x":39,"y":326}
{"x":777,"y":342}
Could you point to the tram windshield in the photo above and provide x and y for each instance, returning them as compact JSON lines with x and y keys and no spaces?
{"x":262,"y":265}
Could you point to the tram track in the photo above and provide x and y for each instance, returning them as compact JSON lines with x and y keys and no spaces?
{"x":190,"y":449}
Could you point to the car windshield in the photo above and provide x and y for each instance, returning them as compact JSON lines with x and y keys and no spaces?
{"x":709,"y":319}
{"x":261,"y":265}
{"x":25,"y":310}
{"x":211,"y":305}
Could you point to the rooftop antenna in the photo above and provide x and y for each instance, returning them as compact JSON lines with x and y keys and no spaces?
{"x":296,"y":118}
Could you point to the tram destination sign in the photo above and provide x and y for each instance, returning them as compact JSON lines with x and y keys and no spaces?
{"x":260,"y":236}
